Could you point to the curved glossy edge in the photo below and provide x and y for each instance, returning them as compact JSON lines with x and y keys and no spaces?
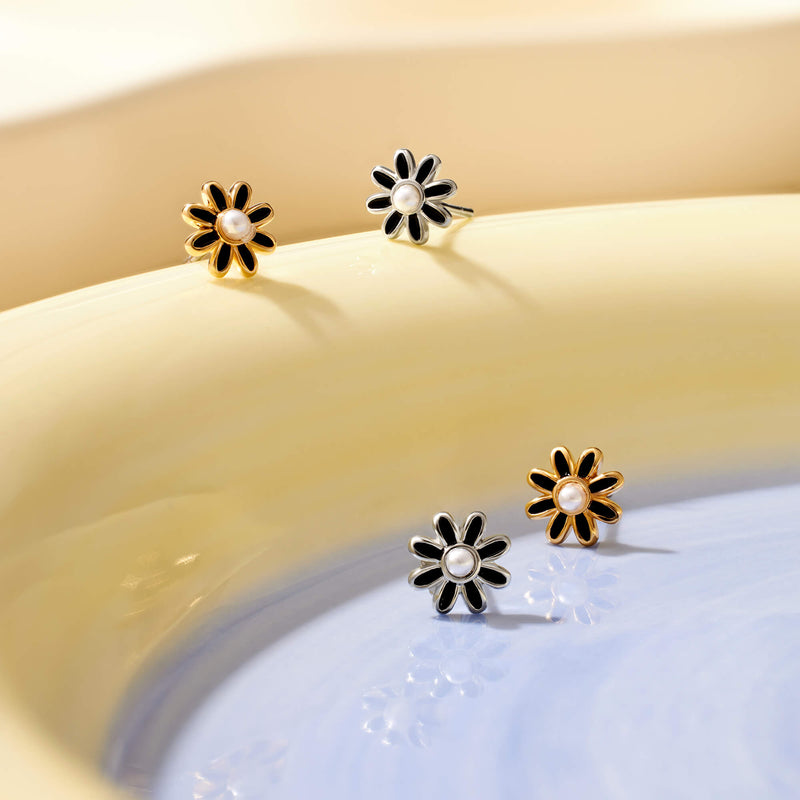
{"x":167,"y":427}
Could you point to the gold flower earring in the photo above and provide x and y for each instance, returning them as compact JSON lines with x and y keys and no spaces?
{"x":228,"y":228}
{"x":575,"y":497}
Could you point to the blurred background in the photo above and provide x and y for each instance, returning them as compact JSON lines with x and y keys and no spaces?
{"x":113,"y":115}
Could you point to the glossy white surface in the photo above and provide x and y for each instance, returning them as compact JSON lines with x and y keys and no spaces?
{"x":661,"y":664}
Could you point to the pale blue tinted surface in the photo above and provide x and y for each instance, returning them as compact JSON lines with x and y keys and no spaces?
{"x":664,"y":664}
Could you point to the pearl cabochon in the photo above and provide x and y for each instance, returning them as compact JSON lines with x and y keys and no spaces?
{"x":235,"y":226}
{"x":572,"y":496}
{"x":407,"y":197}
{"x":460,"y":561}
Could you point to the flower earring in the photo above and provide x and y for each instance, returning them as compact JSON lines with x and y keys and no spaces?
{"x":458,"y":561}
{"x":412,"y":197}
{"x":575,"y":496}
{"x":228,"y":228}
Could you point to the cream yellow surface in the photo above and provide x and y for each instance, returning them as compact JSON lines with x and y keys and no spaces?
{"x":172,"y":441}
{"x":526,"y":109}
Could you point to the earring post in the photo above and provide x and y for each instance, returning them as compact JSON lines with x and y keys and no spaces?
{"x":462,"y":210}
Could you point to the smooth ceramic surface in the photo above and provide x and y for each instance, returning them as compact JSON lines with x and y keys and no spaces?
{"x":173,"y":441}
{"x":661,"y":664}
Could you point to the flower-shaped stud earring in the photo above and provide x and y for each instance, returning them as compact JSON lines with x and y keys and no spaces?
{"x":228,"y":228}
{"x":458,"y":561}
{"x":413,"y":197}
{"x":575,"y":496}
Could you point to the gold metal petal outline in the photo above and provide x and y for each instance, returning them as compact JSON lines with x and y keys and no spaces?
{"x":241,"y":262}
{"x":543,"y":513}
{"x":611,"y":504}
{"x":564,"y":533}
{"x":199,"y":252}
{"x":196,"y":223}
{"x":208,"y":197}
{"x":259,"y":207}
{"x":234,"y":190}
{"x":598,"y":459}
{"x":611,"y":489}
{"x":568,"y":457}
{"x":263,"y":247}
{"x":590,"y":518}
{"x":214,"y":260}
{"x":545,"y":474}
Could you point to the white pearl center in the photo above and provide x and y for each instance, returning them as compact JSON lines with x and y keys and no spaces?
{"x":407,"y":197}
{"x":459,"y":561}
{"x":235,"y":225}
{"x":572,"y":496}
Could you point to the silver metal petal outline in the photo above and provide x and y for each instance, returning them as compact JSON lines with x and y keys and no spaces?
{"x":491,"y":581}
{"x":432,"y":567}
{"x":375,"y":201}
{"x":427,"y":169}
{"x":488,"y":545}
{"x":476,"y":604}
{"x":418,"y":230}
{"x":443,"y":221}
{"x":404,"y":164}
{"x":384,"y":174}
{"x":440,"y":190}
{"x":447,"y":594}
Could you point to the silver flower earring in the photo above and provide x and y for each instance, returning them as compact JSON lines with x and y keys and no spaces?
{"x":458,"y":561}
{"x":413,"y":198}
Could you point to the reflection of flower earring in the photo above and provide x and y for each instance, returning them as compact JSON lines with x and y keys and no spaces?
{"x":228,"y":228}
{"x":575,"y":496}
{"x":412,"y":196}
{"x":459,"y":560}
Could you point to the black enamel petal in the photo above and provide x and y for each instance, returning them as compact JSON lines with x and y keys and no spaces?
{"x":241,"y":197}
{"x":474,"y":597}
{"x":557,"y":527}
{"x":414,"y":227}
{"x":404,"y":164}
{"x":447,"y":597}
{"x":427,"y":550}
{"x":602,"y":483}
{"x":473,"y":529}
{"x":444,"y":526}
{"x":218,"y":196}
{"x":434,"y":214}
{"x":586,"y":463}
{"x":205,"y":240}
{"x":259,"y":214}
{"x":223,"y":259}
{"x":602,"y":511}
{"x":583,"y":527}
{"x":541,"y":506}
{"x":427,"y":167}
{"x":493,"y":576}
{"x":541,"y":481}
{"x":203,"y":214}
{"x":383,"y":178}
{"x":428,"y":577}
{"x":263,"y":240}
{"x":561,"y":463}
{"x":492,"y":549}
{"x":440,"y":189}
{"x":379,"y":202}
{"x":247,"y":259}
{"x":392,"y":223}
